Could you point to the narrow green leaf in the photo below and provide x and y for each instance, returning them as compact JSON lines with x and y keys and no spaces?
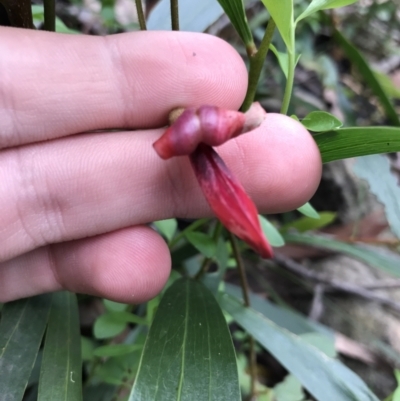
{"x":202,"y":242}
{"x":282,"y":13}
{"x":321,"y":121}
{"x":167,"y":228}
{"x":271,"y":232}
{"x":22,"y":326}
{"x":308,"y":211}
{"x":387,"y":84}
{"x":373,"y":256}
{"x":317,"y":5}
{"x":283,"y":60}
{"x":325,"y":378}
{"x":305,"y":223}
{"x":357,"y":141}
{"x":368,"y":75}
{"x":376,"y":170}
{"x":283,"y":317}
{"x":188,"y":353}
{"x":61,"y":370}
{"x":112,"y":306}
{"x":234,"y":9}
{"x":396,"y":394}
{"x":116,"y":349}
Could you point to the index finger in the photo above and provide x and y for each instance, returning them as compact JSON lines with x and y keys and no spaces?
{"x":54,"y":85}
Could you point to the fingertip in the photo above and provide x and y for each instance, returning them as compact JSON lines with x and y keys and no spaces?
{"x":131,"y":265}
{"x":280,"y":162}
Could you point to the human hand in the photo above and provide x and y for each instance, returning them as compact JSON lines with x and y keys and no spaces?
{"x":74,"y":203}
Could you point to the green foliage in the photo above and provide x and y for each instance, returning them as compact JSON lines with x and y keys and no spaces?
{"x":234,"y":9}
{"x":376,"y":170}
{"x":321,"y":121}
{"x":317,"y":5}
{"x":22,"y":327}
{"x":61,"y":368}
{"x":369,"y":76}
{"x":333,"y":382}
{"x":353,"y":142}
{"x":270,"y":231}
{"x":308,"y":211}
{"x":190,"y":344}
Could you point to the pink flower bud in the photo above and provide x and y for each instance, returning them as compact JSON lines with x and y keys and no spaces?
{"x":228,"y":200}
{"x":206,"y":124}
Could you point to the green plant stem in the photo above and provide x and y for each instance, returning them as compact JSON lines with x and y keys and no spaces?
{"x":256,"y":64}
{"x":140,"y":13}
{"x":289,"y":83}
{"x":49,"y":15}
{"x":175,"y":15}
{"x":245,"y":289}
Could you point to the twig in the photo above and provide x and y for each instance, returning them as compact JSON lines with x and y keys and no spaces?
{"x":298,"y":268}
{"x":140,"y":13}
{"x":175,"y":15}
{"x":49,"y":15}
{"x":256,"y":64}
{"x":245,"y":288}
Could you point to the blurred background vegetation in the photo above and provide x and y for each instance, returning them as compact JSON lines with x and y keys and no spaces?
{"x":323,"y":277}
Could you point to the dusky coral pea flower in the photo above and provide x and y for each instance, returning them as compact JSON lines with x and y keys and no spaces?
{"x":193,"y":133}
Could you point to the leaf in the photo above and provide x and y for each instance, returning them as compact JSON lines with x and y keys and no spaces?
{"x":194,"y":16}
{"x":396,"y":394}
{"x":321,"y":121}
{"x":112,"y":306}
{"x":270,"y":231}
{"x":22,"y":326}
{"x":188,"y":353}
{"x":307,"y":223}
{"x":372,"y":256}
{"x":61,"y":370}
{"x":282,"y":13}
{"x":309,"y":211}
{"x":234,"y":9}
{"x":167,"y":228}
{"x":111,"y":324}
{"x":376,"y":170}
{"x":317,"y":5}
{"x":202,"y":242}
{"x":289,"y":390}
{"x":369,"y":77}
{"x":325,"y":378}
{"x":116,"y":349}
{"x":283,"y":317}
{"x":357,"y":141}
{"x":387,"y":84}
{"x":283,"y":60}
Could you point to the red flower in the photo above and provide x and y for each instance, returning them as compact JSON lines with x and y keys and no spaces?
{"x":193,"y":133}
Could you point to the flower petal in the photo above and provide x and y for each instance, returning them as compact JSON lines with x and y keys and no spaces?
{"x":206,"y":124}
{"x":228,"y":200}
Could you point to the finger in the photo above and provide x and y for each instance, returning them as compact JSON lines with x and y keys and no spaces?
{"x":90,"y":184}
{"x":54,"y":85}
{"x":131,"y":266}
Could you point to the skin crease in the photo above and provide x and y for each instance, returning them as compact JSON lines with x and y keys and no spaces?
{"x":74,"y":204}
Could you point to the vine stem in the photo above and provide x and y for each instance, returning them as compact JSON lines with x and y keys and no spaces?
{"x":245,"y":290}
{"x":49,"y":15}
{"x":175,"y":15}
{"x":140,"y":13}
{"x":256,"y":63}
